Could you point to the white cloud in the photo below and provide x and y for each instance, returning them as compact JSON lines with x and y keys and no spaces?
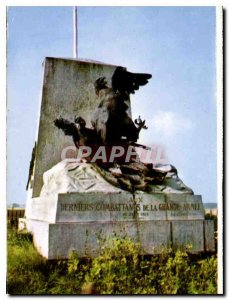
{"x":170,"y":124}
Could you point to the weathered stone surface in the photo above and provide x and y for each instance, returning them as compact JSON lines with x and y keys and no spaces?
{"x":171,"y":183}
{"x":67,"y":91}
{"x":77,"y":207}
{"x":43,"y":209}
{"x":86,"y":238}
{"x":209,"y":234}
{"x":149,"y":206}
{"x":75,"y":175}
{"x":124,"y":206}
{"x":41,"y":236}
{"x":183,"y":206}
{"x":187,"y":234}
{"x":154,"y":236}
{"x":71,"y":176}
{"x":57,"y":241}
{"x":74,"y":221}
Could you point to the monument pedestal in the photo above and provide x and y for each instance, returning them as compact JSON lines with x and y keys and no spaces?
{"x":81,"y":222}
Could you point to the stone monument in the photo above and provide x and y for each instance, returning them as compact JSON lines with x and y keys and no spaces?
{"x":76,"y":203}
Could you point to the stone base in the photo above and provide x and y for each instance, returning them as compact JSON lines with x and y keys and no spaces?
{"x":57,"y":241}
{"x":80,"y":222}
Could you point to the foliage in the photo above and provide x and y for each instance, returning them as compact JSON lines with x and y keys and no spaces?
{"x":28,"y":273}
{"x":24,"y":269}
{"x":118,"y":270}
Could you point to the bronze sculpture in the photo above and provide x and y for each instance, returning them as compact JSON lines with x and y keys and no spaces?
{"x":110,"y":121}
{"x":112,"y":127}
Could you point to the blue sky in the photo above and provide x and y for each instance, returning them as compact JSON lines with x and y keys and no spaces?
{"x":175,"y":44}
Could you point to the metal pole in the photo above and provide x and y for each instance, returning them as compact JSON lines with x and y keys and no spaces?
{"x":75,"y":33}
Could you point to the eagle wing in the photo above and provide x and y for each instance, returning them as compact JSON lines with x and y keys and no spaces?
{"x":127,"y":82}
{"x":68,"y":128}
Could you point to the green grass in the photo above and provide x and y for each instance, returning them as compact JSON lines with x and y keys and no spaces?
{"x":118,"y":270}
{"x":28,"y":273}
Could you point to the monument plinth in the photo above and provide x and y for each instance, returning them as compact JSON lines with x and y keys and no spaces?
{"x":78,"y":208}
{"x":74,"y":204}
{"x":79,"y":222}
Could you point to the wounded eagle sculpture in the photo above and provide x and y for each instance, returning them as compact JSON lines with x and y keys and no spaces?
{"x":112,"y":126}
{"x":111,"y":122}
{"x":110,"y":119}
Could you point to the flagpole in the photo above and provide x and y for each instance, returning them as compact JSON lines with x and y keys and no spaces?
{"x":75,"y":33}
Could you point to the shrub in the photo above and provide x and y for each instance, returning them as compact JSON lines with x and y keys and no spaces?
{"x":113,"y":272}
{"x":205,"y":280}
